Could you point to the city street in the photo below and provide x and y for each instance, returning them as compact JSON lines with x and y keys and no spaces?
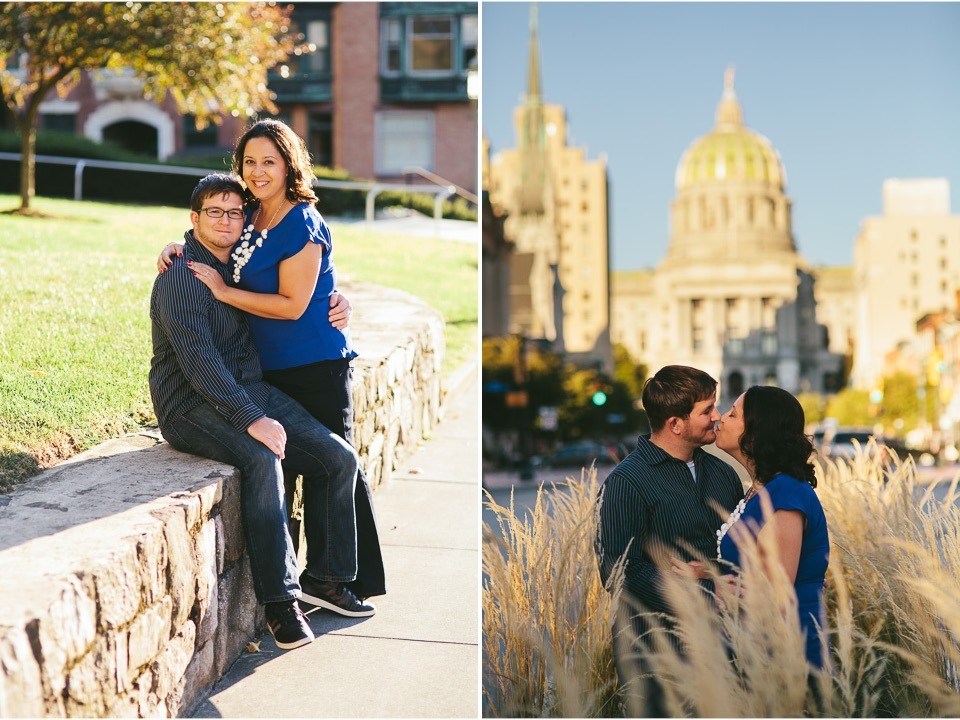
{"x":499,"y":485}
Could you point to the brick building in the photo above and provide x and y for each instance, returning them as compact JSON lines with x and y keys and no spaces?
{"x":384,"y":90}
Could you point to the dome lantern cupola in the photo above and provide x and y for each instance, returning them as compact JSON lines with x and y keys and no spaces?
{"x":729,"y":114}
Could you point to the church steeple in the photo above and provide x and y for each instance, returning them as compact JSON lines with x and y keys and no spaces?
{"x":532,"y":136}
{"x":533,"y":68}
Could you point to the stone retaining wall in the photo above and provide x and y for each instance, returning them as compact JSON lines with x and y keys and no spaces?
{"x":124,"y":585}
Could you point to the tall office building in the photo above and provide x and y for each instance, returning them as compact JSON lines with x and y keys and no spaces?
{"x":906,"y":265}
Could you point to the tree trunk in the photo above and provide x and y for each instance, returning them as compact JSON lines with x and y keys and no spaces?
{"x":28,"y":142}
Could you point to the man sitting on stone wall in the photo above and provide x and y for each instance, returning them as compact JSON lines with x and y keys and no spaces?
{"x":210,"y":400}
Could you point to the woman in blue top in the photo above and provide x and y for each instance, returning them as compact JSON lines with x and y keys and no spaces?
{"x":283,"y":279}
{"x":763,"y":431}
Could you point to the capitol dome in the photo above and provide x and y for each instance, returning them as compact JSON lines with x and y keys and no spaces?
{"x":731,"y":151}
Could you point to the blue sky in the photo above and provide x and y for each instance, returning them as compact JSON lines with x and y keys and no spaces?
{"x":849,"y":93}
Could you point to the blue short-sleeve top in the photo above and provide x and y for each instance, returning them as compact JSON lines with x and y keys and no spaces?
{"x":310,"y":338}
{"x":788,"y":493}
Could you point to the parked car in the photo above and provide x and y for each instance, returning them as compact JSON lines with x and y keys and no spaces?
{"x":843,"y":441}
{"x":581,"y":454}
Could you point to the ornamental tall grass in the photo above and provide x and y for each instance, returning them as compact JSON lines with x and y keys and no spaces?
{"x":546,"y":646}
{"x":893,"y":613}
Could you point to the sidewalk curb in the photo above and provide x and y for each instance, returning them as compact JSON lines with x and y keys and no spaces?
{"x":459,"y":377}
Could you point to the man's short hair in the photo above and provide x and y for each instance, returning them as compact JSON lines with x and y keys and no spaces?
{"x":214,"y":184}
{"x":673,"y":392}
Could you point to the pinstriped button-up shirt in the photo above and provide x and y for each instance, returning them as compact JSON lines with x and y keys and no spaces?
{"x":202,"y":349}
{"x":651,"y":499}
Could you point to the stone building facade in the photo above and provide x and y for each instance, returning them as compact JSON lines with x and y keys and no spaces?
{"x":555,"y":204}
{"x":732,"y":297}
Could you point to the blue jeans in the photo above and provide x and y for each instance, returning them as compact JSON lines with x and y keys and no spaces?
{"x":329,"y":468}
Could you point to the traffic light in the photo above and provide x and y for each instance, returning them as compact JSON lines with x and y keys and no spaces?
{"x":599,"y":398}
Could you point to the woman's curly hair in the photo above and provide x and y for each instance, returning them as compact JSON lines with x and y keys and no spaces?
{"x":773,"y":436}
{"x":292,"y":149}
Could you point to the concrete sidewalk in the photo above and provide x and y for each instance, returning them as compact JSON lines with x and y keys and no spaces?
{"x":419,"y":655}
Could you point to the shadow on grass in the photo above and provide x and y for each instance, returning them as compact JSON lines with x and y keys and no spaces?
{"x":35,"y":214}
{"x":15,"y":468}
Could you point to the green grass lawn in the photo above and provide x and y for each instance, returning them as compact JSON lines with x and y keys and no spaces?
{"x":75,"y":327}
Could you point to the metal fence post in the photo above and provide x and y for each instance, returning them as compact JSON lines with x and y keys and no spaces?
{"x":438,"y":201}
{"x":78,"y":180}
{"x":371,"y":197}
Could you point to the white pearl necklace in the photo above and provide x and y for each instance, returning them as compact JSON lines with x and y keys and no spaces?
{"x":734,"y":517}
{"x":241,"y":255}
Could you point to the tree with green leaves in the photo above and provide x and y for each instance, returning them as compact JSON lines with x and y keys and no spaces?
{"x":212,"y":58}
{"x":813,"y":405}
{"x":631,"y":374}
{"x":850,"y":406}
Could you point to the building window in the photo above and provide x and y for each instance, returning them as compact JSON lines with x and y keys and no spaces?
{"x":61,"y":122}
{"x":943,"y":263}
{"x":404,"y":139}
{"x":768,"y":313}
{"x":313,"y":59}
{"x":696,"y":323}
{"x":320,"y":138}
{"x":430,"y":45}
{"x":768,"y":344}
{"x":696,"y":338}
{"x":391,"y":59}
{"x":318,"y":60}
{"x":735,"y":384}
{"x":469,"y":37}
{"x":735,"y":347}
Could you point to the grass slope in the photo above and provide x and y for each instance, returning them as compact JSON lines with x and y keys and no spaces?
{"x":74,"y":316}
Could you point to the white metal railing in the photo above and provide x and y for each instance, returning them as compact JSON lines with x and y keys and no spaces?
{"x":437,"y":180}
{"x":372,"y":188}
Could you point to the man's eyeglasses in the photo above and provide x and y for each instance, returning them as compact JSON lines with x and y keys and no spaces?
{"x":216,"y":213}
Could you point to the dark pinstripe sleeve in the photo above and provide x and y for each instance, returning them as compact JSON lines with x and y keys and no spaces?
{"x":622,"y":522}
{"x":181,"y":308}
